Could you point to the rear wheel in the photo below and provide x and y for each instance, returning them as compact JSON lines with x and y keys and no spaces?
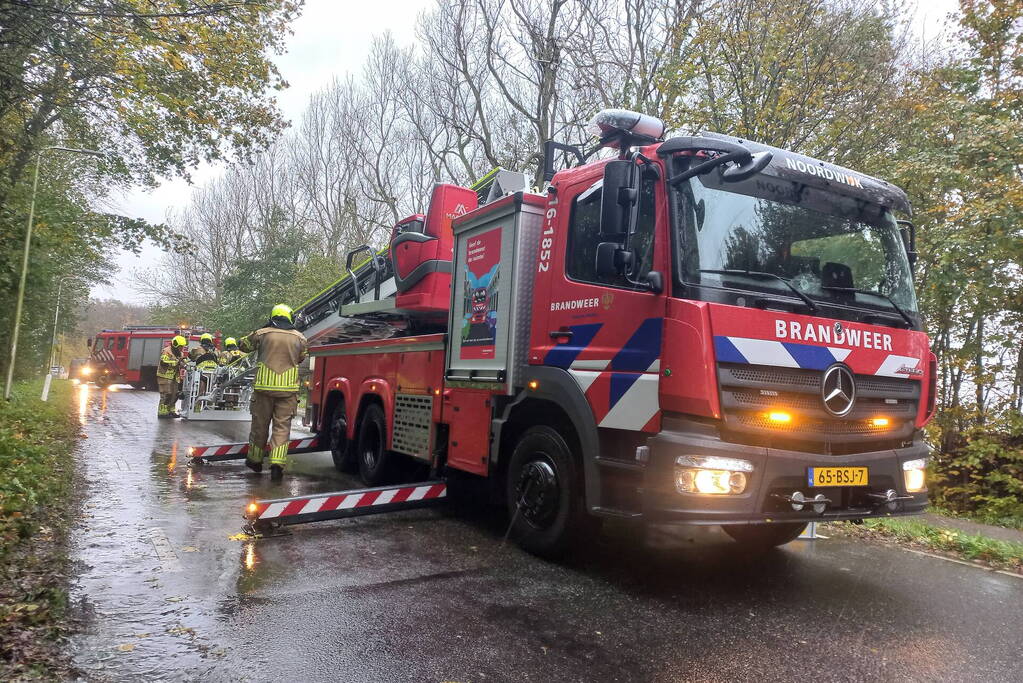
{"x":342,"y":450}
{"x":544,"y":493}
{"x":765,"y":535}
{"x":374,"y":460}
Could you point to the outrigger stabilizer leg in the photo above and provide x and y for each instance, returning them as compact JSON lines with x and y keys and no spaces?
{"x":237,"y":451}
{"x":264,"y":517}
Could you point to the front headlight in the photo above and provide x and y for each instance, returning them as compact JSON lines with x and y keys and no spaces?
{"x":711,"y":474}
{"x":914,"y":474}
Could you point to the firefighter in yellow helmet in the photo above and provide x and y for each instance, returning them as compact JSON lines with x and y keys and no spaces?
{"x":279,"y":349}
{"x":205,"y":358}
{"x":205,"y":355}
{"x":168,"y":375}
{"x":231,"y":352}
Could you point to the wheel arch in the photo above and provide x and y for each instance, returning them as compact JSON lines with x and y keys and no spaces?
{"x":557,"y":401}
{"x":367,"y":398}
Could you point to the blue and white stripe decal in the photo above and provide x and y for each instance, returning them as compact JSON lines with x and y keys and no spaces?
{"x":779,"y":354}
{"x":563,"y":355}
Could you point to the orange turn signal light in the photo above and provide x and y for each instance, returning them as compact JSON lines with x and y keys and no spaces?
{"x":779,"y":417}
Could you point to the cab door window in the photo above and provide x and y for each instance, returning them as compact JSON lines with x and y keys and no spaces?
{"x":121,"y":342}
{"x":584,"y":236}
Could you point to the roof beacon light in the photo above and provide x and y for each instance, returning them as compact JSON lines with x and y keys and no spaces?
{"x":619,"y":128}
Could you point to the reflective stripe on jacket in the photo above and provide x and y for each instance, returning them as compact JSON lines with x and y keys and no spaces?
{"x":268,"y":380}
{"x":278,"y":353}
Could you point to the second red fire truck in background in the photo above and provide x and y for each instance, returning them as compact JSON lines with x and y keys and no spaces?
{"x":132,"y":354}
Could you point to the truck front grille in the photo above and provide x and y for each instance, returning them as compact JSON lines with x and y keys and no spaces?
{"x":750,"y":393}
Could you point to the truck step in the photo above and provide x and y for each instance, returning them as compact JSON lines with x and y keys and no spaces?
{"x":238,"y":451}
{"x":264,"y":515}
{"x":616,"y":513}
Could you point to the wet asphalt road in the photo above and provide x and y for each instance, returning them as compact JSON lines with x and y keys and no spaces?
{"x":165,"y":592}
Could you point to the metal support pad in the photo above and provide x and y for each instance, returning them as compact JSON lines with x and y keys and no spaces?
{"x":263,"y":514}
{"x":238,"y":451}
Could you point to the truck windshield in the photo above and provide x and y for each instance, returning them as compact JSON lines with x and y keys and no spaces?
{"x":831,"y":249}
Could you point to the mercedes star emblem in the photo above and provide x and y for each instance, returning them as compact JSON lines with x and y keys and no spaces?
{"x":838,"y":390}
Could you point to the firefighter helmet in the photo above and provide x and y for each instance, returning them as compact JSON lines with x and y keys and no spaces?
{"x":282,"y":311}
{"x":230,"y":341}
{"x":206,"y":337}
{"x":178,"y":341}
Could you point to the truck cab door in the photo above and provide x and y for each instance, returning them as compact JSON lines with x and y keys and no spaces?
{"x":604,"y":329}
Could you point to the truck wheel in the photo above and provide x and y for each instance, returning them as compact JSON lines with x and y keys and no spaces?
{"x":341,"y":448}
{"x":374,"y":460}
{"x":544,"y":493}
{"x":765,"y":535}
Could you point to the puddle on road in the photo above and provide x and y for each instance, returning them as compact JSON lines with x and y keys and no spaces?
{"x":154,"y":553}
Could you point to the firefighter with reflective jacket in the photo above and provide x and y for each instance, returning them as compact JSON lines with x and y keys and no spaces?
{"x":205,"y":355}
{"x":279,"y":349}
{"x":231,"y":352}
{"x":168,"y":376}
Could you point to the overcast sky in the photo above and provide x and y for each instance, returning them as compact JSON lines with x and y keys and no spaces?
{"x":330,"y":39}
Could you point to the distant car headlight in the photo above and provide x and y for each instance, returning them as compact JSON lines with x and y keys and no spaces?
{"x":86,"y":370}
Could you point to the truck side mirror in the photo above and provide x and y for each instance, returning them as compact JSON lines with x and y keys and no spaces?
{"x":656,"y":281}
{"x":908,"y":232}
{"x":620,"y":194}
{"x":612,"y":259}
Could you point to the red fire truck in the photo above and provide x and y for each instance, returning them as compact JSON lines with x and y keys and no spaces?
{"x":703,"y":330}
{"x":131,"y":355}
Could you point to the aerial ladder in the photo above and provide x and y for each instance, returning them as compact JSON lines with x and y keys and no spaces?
{"x":399,"y":290}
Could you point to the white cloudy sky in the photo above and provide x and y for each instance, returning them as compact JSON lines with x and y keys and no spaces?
{"x":330,"y":39}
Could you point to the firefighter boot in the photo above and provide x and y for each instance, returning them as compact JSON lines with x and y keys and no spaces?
{"x":254,"y":459}
{"x":278,"y":456}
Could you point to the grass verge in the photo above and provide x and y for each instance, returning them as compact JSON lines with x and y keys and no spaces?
{"x":907,"y":530}
{"x":1009,"y":522}
{"x":36,"y":475}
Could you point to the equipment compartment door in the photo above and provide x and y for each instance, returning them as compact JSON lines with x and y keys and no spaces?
{"x":467,"y":413}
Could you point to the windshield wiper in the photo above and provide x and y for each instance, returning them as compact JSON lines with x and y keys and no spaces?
{"x":905,"y":316}
{"x":761,"y":275}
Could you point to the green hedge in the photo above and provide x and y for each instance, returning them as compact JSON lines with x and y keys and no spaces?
{"x":983,"y":477}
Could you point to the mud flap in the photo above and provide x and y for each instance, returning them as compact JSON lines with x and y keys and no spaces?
{"x":266,"y":517}
{"x":201,"y":455}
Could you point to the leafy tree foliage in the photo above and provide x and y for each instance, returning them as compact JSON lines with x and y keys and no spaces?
{"x":157,"y":86}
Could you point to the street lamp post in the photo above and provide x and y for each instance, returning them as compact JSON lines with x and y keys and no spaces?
{"x":56,"y":315}
{"x":24,"y":258}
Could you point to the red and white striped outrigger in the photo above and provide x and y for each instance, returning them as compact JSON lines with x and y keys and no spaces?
{"x":238,"y":451}
{"x":265,"y":515}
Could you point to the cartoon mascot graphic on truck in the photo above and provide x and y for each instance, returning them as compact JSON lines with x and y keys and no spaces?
{"x":479,"y":325}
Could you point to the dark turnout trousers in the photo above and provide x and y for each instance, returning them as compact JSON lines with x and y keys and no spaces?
{"x":271,"y":412}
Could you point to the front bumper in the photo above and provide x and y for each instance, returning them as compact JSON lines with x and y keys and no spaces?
{"x":776,"y":472}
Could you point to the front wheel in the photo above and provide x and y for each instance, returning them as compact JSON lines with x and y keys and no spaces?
{"x":374,"y":459}
{"x":544,"y":493}
{"x":342,"y":450}
{"x":765,"y":535}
